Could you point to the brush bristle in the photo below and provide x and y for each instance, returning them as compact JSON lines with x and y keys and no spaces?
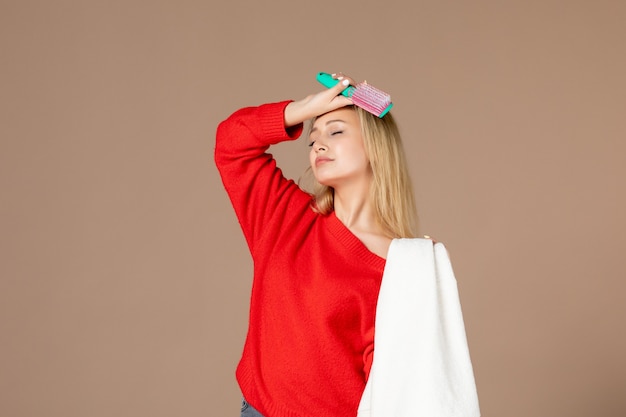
{"x":371,"y":99}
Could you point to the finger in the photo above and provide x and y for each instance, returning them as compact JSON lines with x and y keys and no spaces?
{"x":431,"y":238}
{"x":341,"y":101}
{"x":342,"y":84}
{"x":333,"y":96}
{"x":341,"y":77}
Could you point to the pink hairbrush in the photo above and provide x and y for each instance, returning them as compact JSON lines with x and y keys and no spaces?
{"x":363,"y":95}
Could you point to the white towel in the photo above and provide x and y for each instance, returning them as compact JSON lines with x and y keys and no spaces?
{"x":421,"y":365}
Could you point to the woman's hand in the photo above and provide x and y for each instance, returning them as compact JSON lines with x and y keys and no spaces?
{"x":314,"y":105}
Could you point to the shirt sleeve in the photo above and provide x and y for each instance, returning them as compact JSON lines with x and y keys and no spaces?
{"x":256,"y":186}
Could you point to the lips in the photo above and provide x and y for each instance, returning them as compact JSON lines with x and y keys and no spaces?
{"x":320,"y":160}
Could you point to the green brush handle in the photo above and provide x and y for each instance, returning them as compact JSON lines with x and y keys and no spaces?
{"x":328,"y":81}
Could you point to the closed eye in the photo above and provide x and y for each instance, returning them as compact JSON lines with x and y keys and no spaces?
{"x":311,"y":143}
{"x":337,"y":132}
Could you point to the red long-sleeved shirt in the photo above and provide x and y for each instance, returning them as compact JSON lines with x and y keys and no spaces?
{"x":309,"y":345}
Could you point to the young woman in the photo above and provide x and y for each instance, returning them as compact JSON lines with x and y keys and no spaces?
{"x":318,"y":258}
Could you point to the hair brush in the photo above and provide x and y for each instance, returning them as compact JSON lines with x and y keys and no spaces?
{"x":363,"y":95}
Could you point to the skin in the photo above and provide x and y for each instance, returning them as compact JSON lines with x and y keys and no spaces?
{"x":337,"y":154}
{"x":338,"y":160}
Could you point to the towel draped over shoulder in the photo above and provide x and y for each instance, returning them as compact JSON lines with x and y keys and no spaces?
{"x":421,"y":365}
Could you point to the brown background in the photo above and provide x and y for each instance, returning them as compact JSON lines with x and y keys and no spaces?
{"x":124,"y":277}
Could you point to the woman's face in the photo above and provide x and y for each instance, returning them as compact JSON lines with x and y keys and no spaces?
{"x":337,"y":154}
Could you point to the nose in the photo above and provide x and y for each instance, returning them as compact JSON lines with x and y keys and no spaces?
{"x":319,"y":146}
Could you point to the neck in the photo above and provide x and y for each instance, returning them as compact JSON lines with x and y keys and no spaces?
{"x":356,"y":212}
{"x":353,"y":208}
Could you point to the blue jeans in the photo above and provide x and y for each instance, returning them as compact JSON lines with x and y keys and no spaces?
{"x":248,"y":411}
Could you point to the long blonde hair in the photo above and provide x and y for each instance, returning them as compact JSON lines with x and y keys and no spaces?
{"x":391,"y":192}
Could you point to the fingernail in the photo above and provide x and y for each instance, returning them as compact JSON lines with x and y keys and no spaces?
{"x":345,"y":82}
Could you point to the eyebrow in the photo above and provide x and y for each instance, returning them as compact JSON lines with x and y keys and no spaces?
{"x":329,"y":122}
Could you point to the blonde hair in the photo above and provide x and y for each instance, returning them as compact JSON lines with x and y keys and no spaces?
{"x":391,"y":192}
